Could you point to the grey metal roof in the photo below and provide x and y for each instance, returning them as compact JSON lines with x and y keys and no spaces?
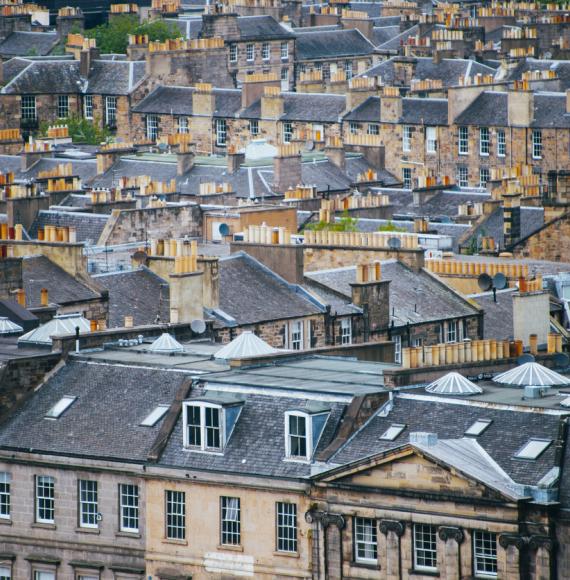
{"x":332,"y":44}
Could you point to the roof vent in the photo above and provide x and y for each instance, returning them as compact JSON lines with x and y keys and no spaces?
{"x":531,"y":373}
{"x":423,"y":438}
{"x":9,"y":327}
{"x":534,"y":392}
{"x":165,"y":344}
{"x":453,"y":384}
{"x":246,"y":345}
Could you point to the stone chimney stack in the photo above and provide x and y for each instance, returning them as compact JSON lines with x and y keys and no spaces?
{"x":531,"y":315}
{"x":203,"y":100}
{"x":520,"y":105}
{"x":511,"y":218}
{"x":390,"y":105}
{"x":272,"y":103}
{"x":69,"y":19}
{"x":254,"y":86}
{"x":235,"y":159}
{"x":184,"y":158}
{"x":186,"y":288}
{"x":287,"y":168}
{"x":334,"y":150}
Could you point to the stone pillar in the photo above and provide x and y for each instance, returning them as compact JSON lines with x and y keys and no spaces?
{"x":453,"y":537}
{"x":393,"y":530}
{"x":327,"y":544}
{"x":542,"y":548}
{"x":512,"y":545}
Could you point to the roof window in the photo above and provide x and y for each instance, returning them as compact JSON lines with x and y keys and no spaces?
{"x":478,"y":427}
{"x":533,"y":449}
{"x":155,"y":416}
{"x":303,"y":430}
{"x":60,"y":407}
{"x":394,"y":431}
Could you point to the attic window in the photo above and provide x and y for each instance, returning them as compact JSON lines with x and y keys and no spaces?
{"x":155,"y":416}
{"x":208,"y":424}
{"x":303,"y":429}
{"x":533,"y":449}
{"x":60,"y":407}
{"x":478,"y":427}
{"x":394,"y":431}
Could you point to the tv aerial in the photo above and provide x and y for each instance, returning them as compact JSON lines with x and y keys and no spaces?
{"x":497,"y":282}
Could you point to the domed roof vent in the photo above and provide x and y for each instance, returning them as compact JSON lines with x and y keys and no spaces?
{"x":454,"y":384}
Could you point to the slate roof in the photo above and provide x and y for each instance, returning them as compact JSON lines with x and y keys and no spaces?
{"x":105,"y":419}
{"x":382,"y":34}
{"x":395,"y":42}
{"x":447,"y":70}
{"x":508,"y":432}
{"x":332,"y":44}
{"x":368,"y":111}
{"x":489,"y":108}
{"x":165,"y":100}
{"x":561,"y":67}
{"x":39,"y":272}
{"x":257,"y":444}
{"x":415,"y":297}
{"x":108,"y":77}
{"x":89,"y":226}
{"x":262,"y":27}
{"x":251,"y":293}
{"x":498,"y":316}
{"x":27,"y":43}
{"x":137,"y":293}
{"x":532,"y":219}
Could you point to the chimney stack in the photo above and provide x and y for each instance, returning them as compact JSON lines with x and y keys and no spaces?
{"x":184,"y":158}
{"x":531,"y":316}
{"x":287,"y":168}
{"x":254,"y":85}
{"x":335,"y":153}
{"x":390,"y":105}
{"x":272,"y":103}
{"x":520,"y":107}
{"x":235,"y":160}
{"x":511,"y":218}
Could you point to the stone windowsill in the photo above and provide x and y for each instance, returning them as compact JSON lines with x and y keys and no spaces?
{"x":230,"y":547}
{"x":81,"y":530}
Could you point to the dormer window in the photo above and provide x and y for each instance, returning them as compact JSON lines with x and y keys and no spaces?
{"x":303,"y":430}
{"x":209,"y":423}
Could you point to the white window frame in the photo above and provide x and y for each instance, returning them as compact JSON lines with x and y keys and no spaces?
{"x":129,"y":507}
{"x":28,"y":106}
{"x":266,"y":51}
{"x":373,"y":129}
{"x":45,"y":498}
{"x":44,"y":574}
{"x":501,"y":143}
{"x":183,"y":125}
{"x":5,"y":571}
{"x":175,"y":499}
{"x":221,"y":132}
{"x":254,"y":127}
{"x":62,"y":106}
{"x":536,"y":144}
{"x":308,"y":436}
{"x":397,"y":348}
{"x":451,"y":331}
{"x":407,"y":181}
{"x":353,"y":127}
{"x":346,"y":331}
{"x":287,"y":131}
{"x":348,"y":69}
{"x":88,"y":106}
{"x":463,"y":176}
{"x":463,"y":141}
{"x":87,"y":487}
{"x":5,"y":495}
{"x":152,"y":127}
{"x":250,"y":52}
{"x":233,"y":52}
{"x":286,"y":530}
{"x":484,"y":176}
{"x":296,"y":339}
{"x":284,"y":51}
{"x":203,"y":427}
{"x":229,"y":536}
{"x":365,"y":539}
{"x":484,"y":141}
{"x":407,"y":138}
{"x":418,"y":530}
{"x":111,"y":110}
{"x":431,"y":139}
{"x":484,"y":554}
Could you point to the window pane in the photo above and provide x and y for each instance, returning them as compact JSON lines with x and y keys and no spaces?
{"x":231,"y":517}
{"x":297,"y":436}
{"x":45,"y":503}
{"x":485,"y":553}
{"x":88,"y":503}
{"x":213,"y":428}
{"x":175,"y":515}
{"x":365,"y":539}
{"x":286,"y":527}
{"x":129,"y":498}
{"x":5,"y":479}
{"x":193,"y":422}
{"x":5,"y":573}
{"x":425,"y":547}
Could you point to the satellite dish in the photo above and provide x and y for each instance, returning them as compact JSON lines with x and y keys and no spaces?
{"x":162,"y":147}
{"x":525,"y":358}
{"x":309,"y":145}
{"x":485,"y":282}
{"x":561,"y":360}
{"x":140,"y":257}
{"x":446,"y":219}
{"x":394,"y":243}
{"x":499,"y":281}
{"x":224,"y":229}
{"x":198,"y":326}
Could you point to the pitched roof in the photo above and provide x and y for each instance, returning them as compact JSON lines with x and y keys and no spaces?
{"x":137,"y":293}
{"x":110,"y":77}
{"x":63,"y":289}
{"x":28,"y":43}
{"x":498,"y":316}
{"x":332,"y":44}
{"x":88,"y":226}
{"x":104,"y":420}
{"x":251,"y":293}
{"x":261,"y":27}
{"x":415,"y":297}
{"x":424,"y":111}
{"x":46,"y":76}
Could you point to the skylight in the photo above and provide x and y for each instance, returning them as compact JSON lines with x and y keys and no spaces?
{"x":478,"y":427}
{"x":155,"y":416}
{"x":392,"y":432}
{"x":533,"y":449}
{"x":60,"y":407}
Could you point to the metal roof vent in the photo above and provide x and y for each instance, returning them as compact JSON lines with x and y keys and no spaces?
{"x":531,"y":374}
{"x":165,"y":344}
{"x":454,"y":384}
{"x":246,"y":345}
{"x":62,"y":324}
{"x":8,"y":327}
